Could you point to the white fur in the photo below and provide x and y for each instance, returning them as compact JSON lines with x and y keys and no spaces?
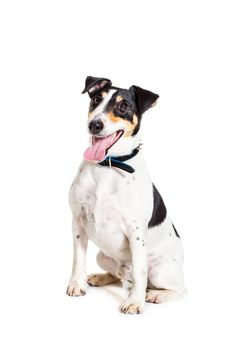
{"x":112,"y":208}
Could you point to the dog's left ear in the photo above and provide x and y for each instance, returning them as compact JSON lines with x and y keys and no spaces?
{"x":145,"y":99}
{"x":94,"y":84}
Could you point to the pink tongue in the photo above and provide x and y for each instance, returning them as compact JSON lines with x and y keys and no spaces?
{"x":97,"y":152}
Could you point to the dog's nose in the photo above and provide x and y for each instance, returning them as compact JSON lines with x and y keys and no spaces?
{"x":96,"y":126}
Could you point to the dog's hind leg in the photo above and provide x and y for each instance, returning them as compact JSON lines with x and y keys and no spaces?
{"x":166,"y":282}
{"x":102,"y":279}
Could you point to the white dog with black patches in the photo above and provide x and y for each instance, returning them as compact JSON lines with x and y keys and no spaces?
{"x":115,"y":204}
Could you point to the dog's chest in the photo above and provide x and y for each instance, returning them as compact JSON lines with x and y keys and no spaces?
{"x":103,"y":197}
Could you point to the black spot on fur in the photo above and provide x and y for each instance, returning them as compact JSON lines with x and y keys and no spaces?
{"x":159,"y":210}
{"x":177,"y":234}
{"x":138,"y":238}
{"x":77,"y":236}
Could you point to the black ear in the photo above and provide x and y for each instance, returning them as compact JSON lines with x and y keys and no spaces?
{"x":93,"y":84}
{"x":144,"y":99}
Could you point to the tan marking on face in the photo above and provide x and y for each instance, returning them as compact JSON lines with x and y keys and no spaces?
{"x":90,"y":114}
{"x":113,"y":117}
{"x":129,"y":126}
{"x":119,"y":98}
{"x":132,"y":126}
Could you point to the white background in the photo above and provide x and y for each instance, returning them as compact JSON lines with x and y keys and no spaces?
{"x":181,"y":50}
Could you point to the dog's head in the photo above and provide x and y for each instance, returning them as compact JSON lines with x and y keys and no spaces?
{"x":114,"y":117}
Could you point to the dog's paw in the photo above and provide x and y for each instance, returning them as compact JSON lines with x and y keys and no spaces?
{"x":160,"y":296}
{"x":75,"y":289}
{"x":101,"y":279}
{"x":153,"y":296}
{"x":132,"y":307}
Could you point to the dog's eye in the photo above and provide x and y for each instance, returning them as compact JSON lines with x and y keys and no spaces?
{"x":122,"y":106}
{"x":97,"y":99}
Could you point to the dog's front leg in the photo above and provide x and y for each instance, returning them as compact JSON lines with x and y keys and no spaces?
{"x":136,"y":301}
{"x":78,"y":280}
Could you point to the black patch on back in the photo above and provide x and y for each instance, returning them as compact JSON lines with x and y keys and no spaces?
{"x":159,"y":210}
{"x":177,"y":234}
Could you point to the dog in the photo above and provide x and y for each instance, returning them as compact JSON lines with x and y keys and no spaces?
{"x":115,"y":204}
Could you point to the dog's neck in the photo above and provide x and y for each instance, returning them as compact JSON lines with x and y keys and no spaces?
{"x":124,"y":146}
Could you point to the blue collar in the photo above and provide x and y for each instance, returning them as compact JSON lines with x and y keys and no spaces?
{"x":118,"y":162}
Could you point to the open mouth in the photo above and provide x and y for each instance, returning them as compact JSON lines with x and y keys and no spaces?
{"x":100,"y":146}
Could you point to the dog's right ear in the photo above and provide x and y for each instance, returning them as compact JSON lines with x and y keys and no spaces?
{"x":145,"y":99}
{"x":94,"y":84}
